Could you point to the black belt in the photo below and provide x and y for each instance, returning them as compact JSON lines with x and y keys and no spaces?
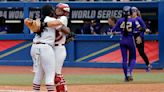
{"x":38,"y":43}
{"x":59,"y":44}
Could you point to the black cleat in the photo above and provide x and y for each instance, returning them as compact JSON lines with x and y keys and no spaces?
{"x":130,"y":78}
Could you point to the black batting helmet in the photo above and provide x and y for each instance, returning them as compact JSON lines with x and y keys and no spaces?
{"x":127,"y":11}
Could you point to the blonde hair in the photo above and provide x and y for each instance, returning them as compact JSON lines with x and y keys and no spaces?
{"x":139,"y":13}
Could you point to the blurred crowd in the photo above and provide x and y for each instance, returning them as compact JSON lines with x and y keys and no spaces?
{"x":4,"y":29}
{"x":96,"y":28}
{"x":74,"y":0}
{"x":89,"y":26}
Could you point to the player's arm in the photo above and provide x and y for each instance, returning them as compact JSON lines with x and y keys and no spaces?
{"x":142,"y":23}
{"x":58,"y":22}
{"x":143,"y":26}
{"x":54,"y":23}
{"x":113,"y":30}
{"x":64,"y":29}
{"x":137,"y":26}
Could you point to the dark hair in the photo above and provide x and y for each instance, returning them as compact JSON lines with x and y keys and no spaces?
{"x":125,"y":29}
{"x":2,"y":20}
{"x":96,"y":20}
{"x":139,"y":13}
{"x":47,"y":10}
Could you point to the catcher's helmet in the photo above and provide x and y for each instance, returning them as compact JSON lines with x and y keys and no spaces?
{"x":64,"y":7}
{"x":127,"y":11}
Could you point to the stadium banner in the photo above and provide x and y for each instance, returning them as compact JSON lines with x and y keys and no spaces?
{"x":105,"y":13}
{"x":14,"y":13}
{"x":17,"y":13}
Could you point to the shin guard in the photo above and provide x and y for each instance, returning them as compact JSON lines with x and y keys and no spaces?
{"x":60,"y":83}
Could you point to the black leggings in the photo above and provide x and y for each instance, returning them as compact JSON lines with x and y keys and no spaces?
{"x":140,"y":48}
{"x":141,"y":51}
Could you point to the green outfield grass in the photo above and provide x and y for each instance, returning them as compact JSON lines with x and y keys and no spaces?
{"x":26,"y":79}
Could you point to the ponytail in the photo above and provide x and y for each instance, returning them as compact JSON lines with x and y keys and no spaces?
{"x":41,"y":29}
{"x":125,"y":29}
{"x":139,"y":13}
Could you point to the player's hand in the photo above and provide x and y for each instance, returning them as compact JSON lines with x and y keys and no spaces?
{"x":70,"y":37}
{"x":112,"y":33}
{"x":147,"y":31}
{"x":28,"y":21}
{"x":138,"y":40}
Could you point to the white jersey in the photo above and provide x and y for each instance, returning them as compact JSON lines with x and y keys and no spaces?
{"x":60,"y":36}
{"x":48,"y":35}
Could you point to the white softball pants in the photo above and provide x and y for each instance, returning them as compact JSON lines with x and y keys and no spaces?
{"x":60,"y":55}
{"x":43,"y":63}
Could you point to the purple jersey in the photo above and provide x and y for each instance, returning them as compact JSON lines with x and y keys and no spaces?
{"x":132,"y":24}
{"x":141,"y":22}
{"x":143,"y":25}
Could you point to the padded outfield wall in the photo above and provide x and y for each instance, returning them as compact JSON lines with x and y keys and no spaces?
{"x":85,"y":50}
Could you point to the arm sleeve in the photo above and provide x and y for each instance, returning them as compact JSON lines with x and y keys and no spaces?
{"x":116,"y":27}
{"x":53,"y":22}
{"x":136,"y":28}
{"x":142,"y":23}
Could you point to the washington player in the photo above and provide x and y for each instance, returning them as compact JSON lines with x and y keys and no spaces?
{"x":127,"y":26}
{"x":42,"y":51}
{"x":140,"y":36}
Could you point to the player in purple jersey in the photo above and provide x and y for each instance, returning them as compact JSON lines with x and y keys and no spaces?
{"x":127,"y":26}
{"x":139,"y":37}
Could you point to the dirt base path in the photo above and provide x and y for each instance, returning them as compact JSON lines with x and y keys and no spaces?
{"x":95,"y":88}
{"x":68,"y":70}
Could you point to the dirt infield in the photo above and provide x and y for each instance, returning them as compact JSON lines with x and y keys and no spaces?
{"x":126,"y":87}
{"x":28,"y":70}
{"x":99,"y":88}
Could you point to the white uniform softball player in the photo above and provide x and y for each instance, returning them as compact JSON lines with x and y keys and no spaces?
{"x":43,"y":55}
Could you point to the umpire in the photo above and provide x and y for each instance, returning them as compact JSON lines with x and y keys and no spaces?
{"x":139,"y":37}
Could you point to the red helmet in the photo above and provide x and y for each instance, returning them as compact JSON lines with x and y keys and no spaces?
{"x":64,"y":7}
